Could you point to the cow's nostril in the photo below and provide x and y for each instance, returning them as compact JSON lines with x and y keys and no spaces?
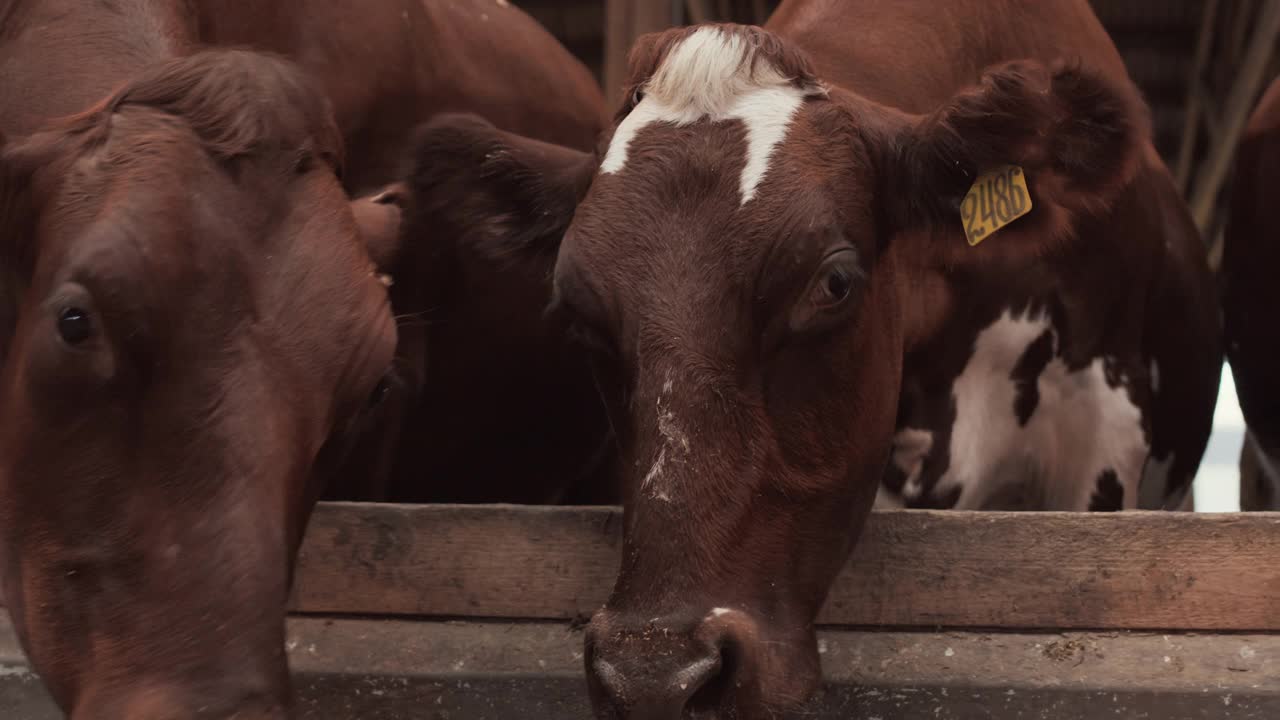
{"x":695,"y":678}
{"x":710,"y":695}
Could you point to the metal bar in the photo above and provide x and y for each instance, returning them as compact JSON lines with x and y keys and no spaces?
{"x":1244,"y":92}
{"x":1212,"y":123}
{"x":1195,"y":95}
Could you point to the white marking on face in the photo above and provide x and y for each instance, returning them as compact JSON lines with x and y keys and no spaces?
{"x":1081,"y":426}
{"x":655,"y":470}
{"x":711,"y":75}
{"x":1155,"y":376}
{"x":718,"y":612}
{"x":675,"y":445}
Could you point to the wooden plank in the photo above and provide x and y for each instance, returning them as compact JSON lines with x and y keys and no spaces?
{"x":912,"y":568}
{"x":379,"y":669}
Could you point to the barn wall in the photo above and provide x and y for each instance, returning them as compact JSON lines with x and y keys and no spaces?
{"x":1156,"y":38}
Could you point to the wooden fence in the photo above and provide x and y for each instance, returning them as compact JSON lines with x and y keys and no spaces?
{"x":468,"y":612}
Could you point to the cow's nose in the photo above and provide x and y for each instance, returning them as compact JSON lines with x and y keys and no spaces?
{"x":662,"y":668}
{"x":659,"y":694}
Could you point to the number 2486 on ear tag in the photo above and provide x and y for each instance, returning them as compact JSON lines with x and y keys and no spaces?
{"x":996,"y":199}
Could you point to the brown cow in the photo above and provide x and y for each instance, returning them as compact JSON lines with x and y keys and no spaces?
{"x":196,"y":321}
{"x":494,"y":404}
{"x":770,"y":270}
{"x":1250,"y":254}
{"x":192,"y":334}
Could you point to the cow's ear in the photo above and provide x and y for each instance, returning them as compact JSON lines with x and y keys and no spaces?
{"x":1076,"y":137}
{"x":378,"y":218}
{"x":507,"y":196}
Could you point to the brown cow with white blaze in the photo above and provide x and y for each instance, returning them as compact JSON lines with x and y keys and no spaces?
{"x":771,"y":273}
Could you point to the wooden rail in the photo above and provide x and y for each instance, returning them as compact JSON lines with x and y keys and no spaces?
{"x":1154,"y":571}
{"x":1006,"y":587}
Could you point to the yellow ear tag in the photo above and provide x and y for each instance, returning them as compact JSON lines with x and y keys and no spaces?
{"x":996,"y":199}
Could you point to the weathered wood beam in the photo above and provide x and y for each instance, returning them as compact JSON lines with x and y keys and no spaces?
{"x":385,"y":670}
{"x":1137,"y":570}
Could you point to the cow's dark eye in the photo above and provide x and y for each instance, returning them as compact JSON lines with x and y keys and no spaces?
{"x":74,"y":325}
{"x":834,"y":281}
{"x":834,"y":288}
{"x":380,"y":392}
{"x":828,"y":296}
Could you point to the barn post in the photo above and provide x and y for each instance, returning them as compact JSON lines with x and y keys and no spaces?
{"x":624,"y":21}
{"x":1196,"y":96}
{"x":1244,"y":92}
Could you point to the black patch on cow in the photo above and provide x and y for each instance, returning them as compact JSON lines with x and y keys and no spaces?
{"x":1113,"y":372}
{"x":1109,"y":495}
{"x":1026,"y":375}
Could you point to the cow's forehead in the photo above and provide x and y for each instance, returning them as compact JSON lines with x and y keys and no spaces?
{"x":714,"y":76}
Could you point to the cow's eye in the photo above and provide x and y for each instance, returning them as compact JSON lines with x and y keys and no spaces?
{"x":833,"y":287}
{"x":74,"y":325}
{"x":833,"y":283}
{"x":829,"y":292}
{"x":380,"y":393}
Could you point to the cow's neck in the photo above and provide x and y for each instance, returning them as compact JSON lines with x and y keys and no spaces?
{"x":59,"y":57}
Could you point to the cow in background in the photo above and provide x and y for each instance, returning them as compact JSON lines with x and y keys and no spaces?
{"x":1250,"y":253}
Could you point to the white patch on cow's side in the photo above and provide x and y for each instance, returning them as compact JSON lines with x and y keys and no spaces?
{"x":1081,"y":426}
{"x":712,"y":75}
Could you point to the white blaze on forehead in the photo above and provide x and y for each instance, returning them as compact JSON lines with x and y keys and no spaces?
{"x":713,"y":75}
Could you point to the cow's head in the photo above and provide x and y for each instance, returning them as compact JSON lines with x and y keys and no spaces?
{"x":754,"y":257}
{"x":192,"y":328}
{"x":479,"y":359}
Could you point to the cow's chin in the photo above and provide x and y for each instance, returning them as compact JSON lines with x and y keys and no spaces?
{"x":787,"y":676}
{"x":776,"y":678}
